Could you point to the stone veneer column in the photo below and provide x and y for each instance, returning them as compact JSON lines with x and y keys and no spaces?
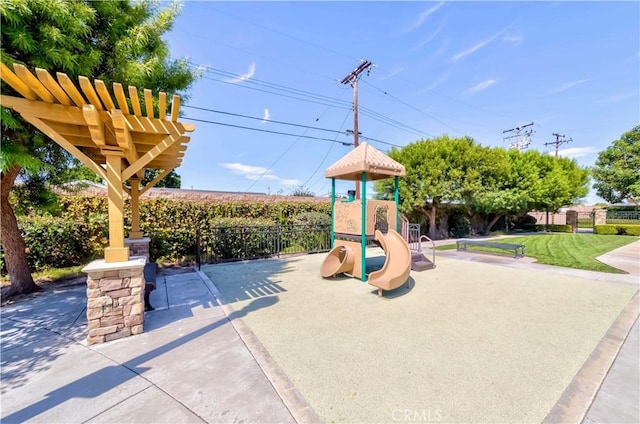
{"x":138,"y":247}
{"x":572,"y":220}
{"x":115,"y":299}
{"x":600,"y":217}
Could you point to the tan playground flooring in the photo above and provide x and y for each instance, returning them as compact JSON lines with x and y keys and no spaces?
{"x":468,"y":342}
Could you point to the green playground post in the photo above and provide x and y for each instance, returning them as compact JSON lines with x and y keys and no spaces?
{"x":364,"y":226}
{"x":333,"y":213}
{"x":397,"y":199}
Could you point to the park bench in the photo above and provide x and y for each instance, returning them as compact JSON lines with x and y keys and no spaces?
{"x":150,"y":283}
{"x":518,"y":249}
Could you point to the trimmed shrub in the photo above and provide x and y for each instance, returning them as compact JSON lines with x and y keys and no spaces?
{"x":312,"y":219}
{"x":459,"y":224}
{"x":79,"y":232}
{"x":54,"y":242}
{"x":555,"y":228}
{"x":527,"y":223}
{"x":617,"y":229}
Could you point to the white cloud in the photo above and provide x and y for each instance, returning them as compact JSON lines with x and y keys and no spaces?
{"x":480,"y":86}
{"x":427,"y":40}
{"x":563,"y":87}
{"x":243,"y":77}
{"x":577,"y":152}
{"x":395,"y":71}
{"x":423,"y":17}
{"x":439,"y":81}
{"x":513,"y":39}
{"x":266,"y":116}
{"x":617,"y":97}
{"x":478,"y":45}
{"x":289,"y":182}
{"x":239,"y":168}
{"x":254,"y":173}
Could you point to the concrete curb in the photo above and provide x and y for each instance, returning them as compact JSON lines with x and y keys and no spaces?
{"x":297,"y":405}
{"x":576,"y":399}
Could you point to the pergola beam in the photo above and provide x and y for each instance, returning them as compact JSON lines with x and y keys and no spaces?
{"x":65,"y":144}
{"x":16,"y":83}
{"x":156,"y":180}
{"x":87,"y":123}
{"x":150,"y":155}
{"x":95,"y":124}
{"x":29,"y":79}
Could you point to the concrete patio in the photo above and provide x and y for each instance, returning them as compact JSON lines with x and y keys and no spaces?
{"x":269,"y":341}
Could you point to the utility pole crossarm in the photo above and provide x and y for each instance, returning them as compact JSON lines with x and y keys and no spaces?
{"x":520,"y":145}
{"x":560,"y":139}
{"x":352,"y":79}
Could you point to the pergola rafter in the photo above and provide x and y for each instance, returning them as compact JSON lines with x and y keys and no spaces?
{"x":114,"y":140}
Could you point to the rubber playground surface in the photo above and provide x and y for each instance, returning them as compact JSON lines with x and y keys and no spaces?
{"x":468,"y":342}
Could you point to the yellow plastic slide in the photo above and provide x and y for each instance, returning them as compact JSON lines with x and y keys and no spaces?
{"x":397,"y":265}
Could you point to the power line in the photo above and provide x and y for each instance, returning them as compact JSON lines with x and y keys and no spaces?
{"x":293,"y":144}
{"x":414,"y":108}
{"x":306,"y":97}
{"x":326,"y":154}
{"x":287,"y":123}
{"x":266,"y":131}
{"x":283,"y":33}
{"x":261,"y":119}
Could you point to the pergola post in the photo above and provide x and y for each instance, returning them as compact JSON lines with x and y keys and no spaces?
{"x":88,"y":125}
{"x":135,"y":232}
{"x":116,"y":252}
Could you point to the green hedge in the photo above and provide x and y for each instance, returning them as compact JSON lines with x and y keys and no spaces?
{"x":555,"y":228}
{"x":618,"y":229}
{"x":79,"y":232}
{"x":56,"y":243}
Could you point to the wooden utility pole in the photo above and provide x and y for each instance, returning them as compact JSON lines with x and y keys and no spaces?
{"x":519,"y":144}
{"x":558,"y":142}
{"x":352,"y":79}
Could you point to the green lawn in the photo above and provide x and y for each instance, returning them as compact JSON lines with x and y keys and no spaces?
{"x":568,"y":250}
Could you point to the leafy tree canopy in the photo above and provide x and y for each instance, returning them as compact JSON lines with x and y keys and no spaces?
{"x":439,"y":170}
{"x":617,"y":169}
{"x":108,"y":40}
{"x":171,"y":180}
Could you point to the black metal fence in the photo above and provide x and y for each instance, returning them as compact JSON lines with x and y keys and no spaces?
{"x":585,"y":222}
{"x":222,"y":244}
{"x":623,"y":217}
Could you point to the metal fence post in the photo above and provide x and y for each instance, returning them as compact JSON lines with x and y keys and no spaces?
{"x":198,"y":247}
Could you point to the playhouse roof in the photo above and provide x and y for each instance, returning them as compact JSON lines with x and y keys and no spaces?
{"x":365,"y":158}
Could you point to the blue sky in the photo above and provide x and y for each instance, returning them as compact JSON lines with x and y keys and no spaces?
{"x":460,"y":68}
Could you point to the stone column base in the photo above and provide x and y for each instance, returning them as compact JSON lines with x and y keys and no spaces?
{"x":115,"y":299}
{"x":138,"y":247}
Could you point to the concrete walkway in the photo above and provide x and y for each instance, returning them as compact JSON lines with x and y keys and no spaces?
{"x":198,"y":361}
{"x":190,"y":365}
{"x":626,"y":258}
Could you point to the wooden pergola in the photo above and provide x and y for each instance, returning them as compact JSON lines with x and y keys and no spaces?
{"x":116,"y":142}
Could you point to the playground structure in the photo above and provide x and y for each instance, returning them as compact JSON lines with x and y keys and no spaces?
{"x":357,"y":221}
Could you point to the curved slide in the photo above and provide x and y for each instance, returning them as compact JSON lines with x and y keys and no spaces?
{"x":397,"y":265}
{"x":340,"y":259}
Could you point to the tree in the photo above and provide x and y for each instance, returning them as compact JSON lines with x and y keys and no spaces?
{"x":171,"y":180}
{"x":532,"y":181}
{"x":511,"y":192}
{"x":617,"y":169}
{"x":441,"y":170}
{"x":563,"y":183}
{"x":113,"y":41}
{"x":301,"y":191}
